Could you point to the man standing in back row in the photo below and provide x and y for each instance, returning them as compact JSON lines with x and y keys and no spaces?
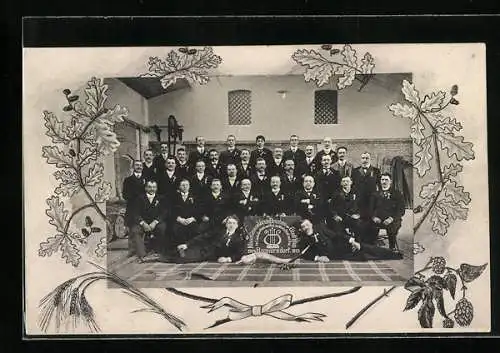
{"x":297,"y":155}
{"x":231,"y":155}
{"x":200,"y":153}
{"x":328,"y":149}
{"x":261,"y":152}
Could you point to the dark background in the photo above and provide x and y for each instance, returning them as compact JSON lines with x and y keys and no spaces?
{"x":127,"y":31}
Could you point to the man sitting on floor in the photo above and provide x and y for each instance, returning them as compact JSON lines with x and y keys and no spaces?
{"x":388,"y":209}
{"x":148,"y":220}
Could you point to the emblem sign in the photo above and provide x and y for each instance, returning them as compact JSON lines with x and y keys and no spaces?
{"x":274,"y":236}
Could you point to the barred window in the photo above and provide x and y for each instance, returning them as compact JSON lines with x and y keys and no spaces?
{"x":240,"y":107}
{"x":325,"y":107}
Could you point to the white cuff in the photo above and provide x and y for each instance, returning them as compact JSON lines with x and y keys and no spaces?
{"x":316,"y":258}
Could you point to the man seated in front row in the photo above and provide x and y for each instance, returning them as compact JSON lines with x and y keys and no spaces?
{"x":308,"y":203}
{"x":246,"y":201}
{"x":186,"y":215}
{"x":343,"y":210}
{"x":149,"y":212}
{"x":214,"y":206}
{"x":277,"y":202}
{"x":323,"y":245}
{"x":388,"y":209}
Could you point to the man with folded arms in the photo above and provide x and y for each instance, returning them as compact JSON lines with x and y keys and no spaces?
{"x":148,"y":220}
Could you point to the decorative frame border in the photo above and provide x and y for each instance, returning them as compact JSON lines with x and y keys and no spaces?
{"x":80,"y":142}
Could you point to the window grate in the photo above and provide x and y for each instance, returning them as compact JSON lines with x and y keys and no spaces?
{"x":325,"y":107}
{"x":240,"y":107}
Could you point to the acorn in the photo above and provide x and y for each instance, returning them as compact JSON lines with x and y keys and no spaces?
{"x":454,"y":101}
{"x":72,"y":99}
{"x":68,"y":108}
{"x":454,"y":90}
{"x":72,"y":152}
{"x":192,"y":51}
{"x":183,"y":50}
{"x":67,"y":92}
{"x":326,"y":46}
{"x":334,"y":51}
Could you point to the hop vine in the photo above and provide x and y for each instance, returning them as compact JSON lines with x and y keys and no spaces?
{"x":434,"y":133}
{"x":428,"y":291}
{"x":80,"y":140}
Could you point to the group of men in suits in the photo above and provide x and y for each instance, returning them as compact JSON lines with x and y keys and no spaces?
{"x":171,"y":199}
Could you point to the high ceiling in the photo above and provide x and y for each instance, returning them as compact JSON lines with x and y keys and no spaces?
{"x":150,"y":87}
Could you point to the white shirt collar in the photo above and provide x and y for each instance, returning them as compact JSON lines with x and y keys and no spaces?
{"x":170,"y":173}
{"x":148,"y":164}
{"x":293,"y":149}
{"x":164,"y":155}
{"x":275,"y":192}
{"x":215,"y":194}
{"x":342,"y":163}
{"x":200,"y":149}
{"x":138,"y":175}
{"x":150,"y":197}
{"x":200,"y":175}
{"x":278,"y":161}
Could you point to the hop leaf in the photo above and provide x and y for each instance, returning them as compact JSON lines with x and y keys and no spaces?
{"x":326,"y":46}
{"x":426,"y":313}
{"x":433,"y":102}
{"x":56,"y":212}
{"x":403,"y":110}
{"x":410,"y":92}
{"x":413,"y":300}
{"x":424,"y":155}
{"x":55,"y":156}
{"x":55,"y":128}
{"x":451,"y":283}
{"x":349,"y":55}
{"x":451,"y":170}
{"x":95,"y":175}
{"x":455,"y":146}
{"x":454,"y":90}
{"x":469,"y":273}
{"x":414,"y":284}
{"x":103,"y":192}
{"x":438,"y":297}
{"x":70,"y":252}
{"x":367,"y":64}
{"x":51,"y":245}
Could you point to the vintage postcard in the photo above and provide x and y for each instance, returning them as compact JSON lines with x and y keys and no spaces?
{"x":327,"y":188}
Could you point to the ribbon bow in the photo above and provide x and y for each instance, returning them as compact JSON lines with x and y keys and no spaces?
{"x":273,"y":308}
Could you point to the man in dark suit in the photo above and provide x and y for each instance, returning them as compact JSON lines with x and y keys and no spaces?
{"x":276,"y":166}
{"x":328,"y":149}
{"x":343,"y":210}
{"x":291,"y":181}
{"x":168,"y":180}
{"x":148,"y":220}
{"x":231,"y":182}
{"x":295,"y":153}
{"x":276,"y":202}
{"x":388,"y":209}
{"x":342,"y":165}
{"x":327,"y":180}
{"x":200,"y":153}
{"x":308,"y":203}
{"x":244,"y":167}
{"x":200,"y":180}
{"x":214,"y":168}
{"x":366,"y":182}
{"x":323,"y":245}
{"x":246,"y":201}
{"x":133,"y":188}
{"x":183,"y":168}
{"x":186,"y":215}
{"x":261,"y":152}
{"x":148,"y":167}
{"x":260,"y":178}
{"x":215,"y":206}
{"x":231,"y":155}
{"x":310,"y":164}
{"x":160,"y":160}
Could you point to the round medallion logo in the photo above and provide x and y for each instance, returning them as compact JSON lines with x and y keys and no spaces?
{"x":273,"y":236}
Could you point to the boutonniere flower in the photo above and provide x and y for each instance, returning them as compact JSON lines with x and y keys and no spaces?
{"x":354,"y":196}
{"x":156,"y":202}
{"x":313,"y":196}
{"x":282,"y":197}
{"x":190,"y":199}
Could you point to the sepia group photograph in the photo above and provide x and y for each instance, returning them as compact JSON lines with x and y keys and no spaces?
{"x":264,"y":180}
